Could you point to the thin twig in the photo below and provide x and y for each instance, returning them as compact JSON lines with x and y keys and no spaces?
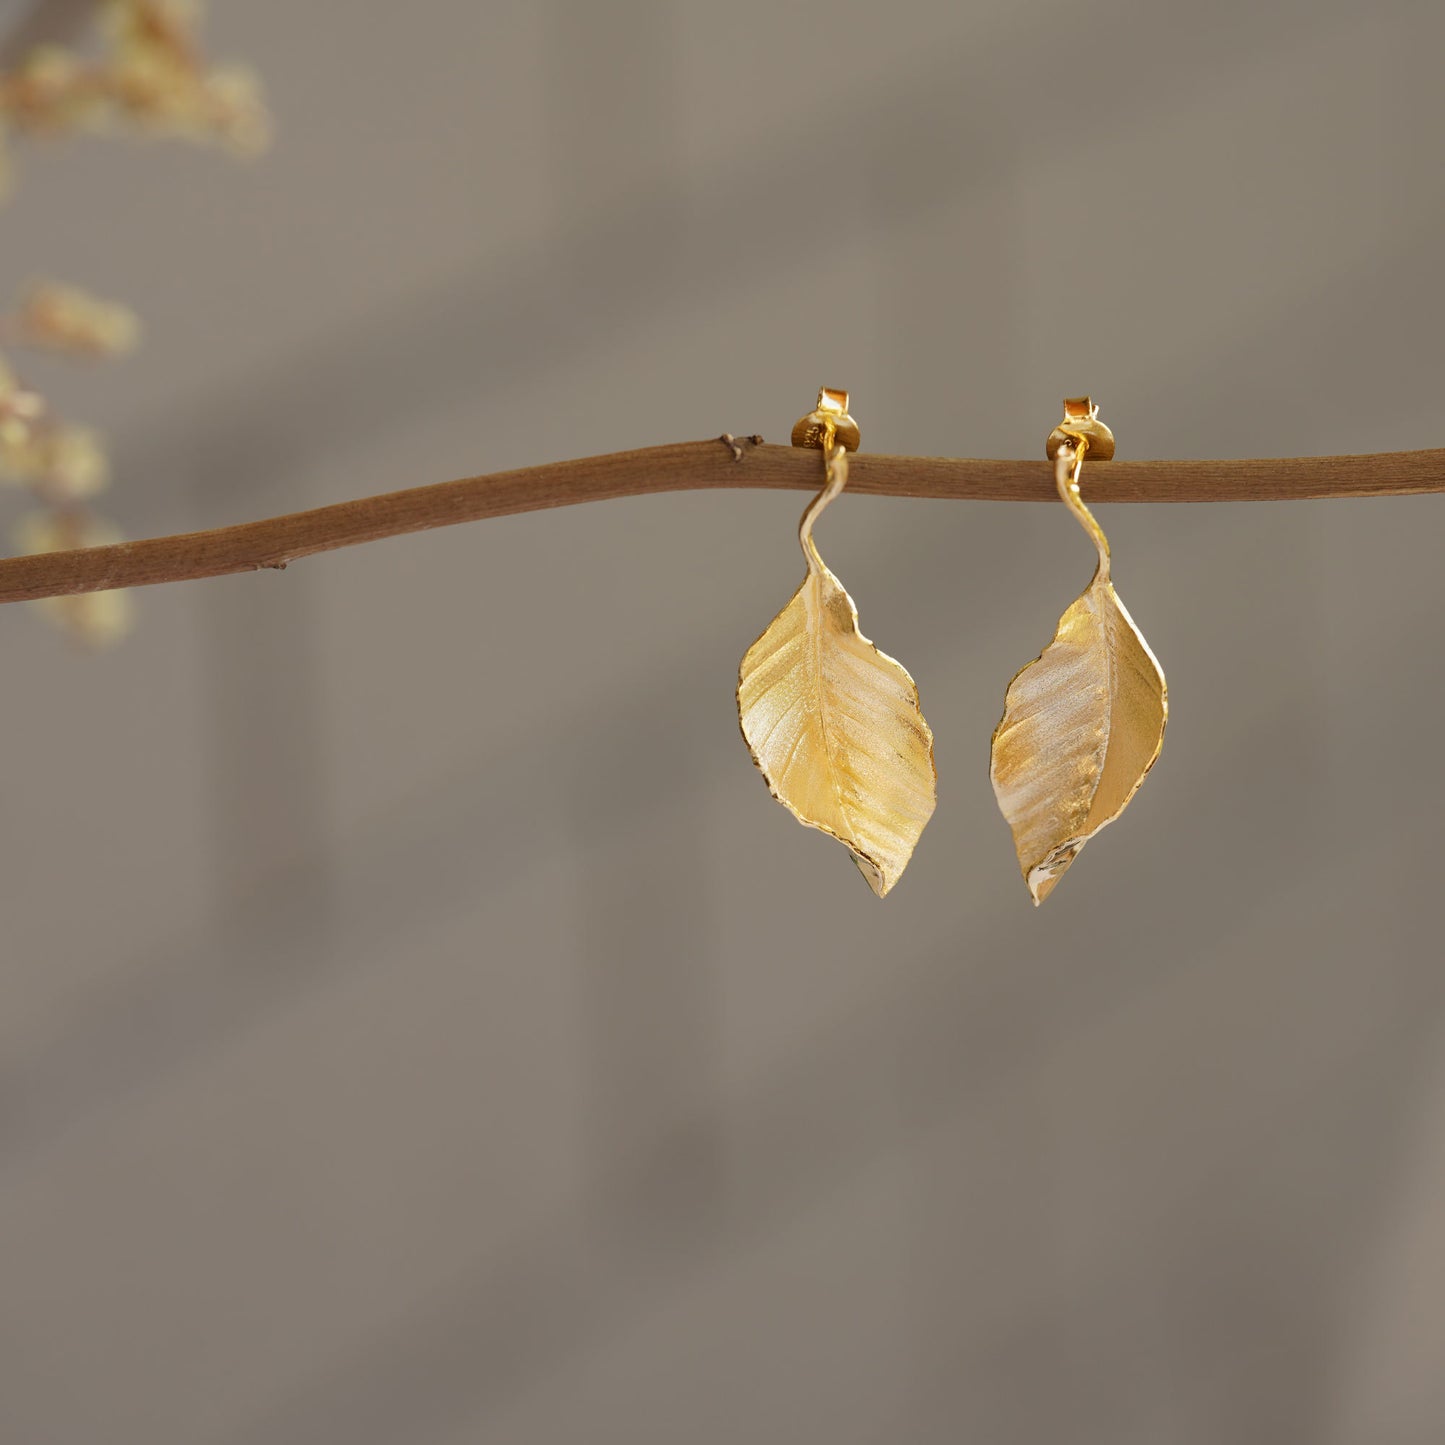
{"x":689,"y":466}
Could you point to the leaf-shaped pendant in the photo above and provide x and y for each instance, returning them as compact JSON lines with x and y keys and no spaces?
{"x":1082,"y":724}
{"x":833,"y":723}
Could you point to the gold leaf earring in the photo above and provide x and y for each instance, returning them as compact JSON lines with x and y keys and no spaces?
{"x":1084,"y":722}
{"x":833,"y":723}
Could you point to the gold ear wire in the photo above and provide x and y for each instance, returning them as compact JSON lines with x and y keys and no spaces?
{"x":1084,"y":722}
{"x":832,"y":723}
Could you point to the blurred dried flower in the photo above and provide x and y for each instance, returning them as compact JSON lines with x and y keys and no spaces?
{"x":16,"y":403}
{"x":61,"y":463}
{"x":165,"y":25}
{"x":20,"y":410}
{"x":65,"y":318}
{"x":75,"y":464}
{"x":94,"y":619}
{"x":51,"y":90}
{"x":152,"y":76}
{"x":238,"y":113}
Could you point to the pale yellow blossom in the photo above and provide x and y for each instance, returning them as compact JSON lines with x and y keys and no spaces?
{"x":65,"y":318}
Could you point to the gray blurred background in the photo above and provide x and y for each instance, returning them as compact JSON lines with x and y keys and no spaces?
{"x":416,"y":1022}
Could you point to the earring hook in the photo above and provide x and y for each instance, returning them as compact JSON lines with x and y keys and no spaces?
{"x":832,"y":431}
{"x":1081,"y":434}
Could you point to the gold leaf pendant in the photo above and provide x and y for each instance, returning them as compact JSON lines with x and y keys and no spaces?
{"x":1084,"y":722}
{"x":833,"y":723}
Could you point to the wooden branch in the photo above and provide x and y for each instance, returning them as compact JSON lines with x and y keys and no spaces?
{"x":687,"y":466}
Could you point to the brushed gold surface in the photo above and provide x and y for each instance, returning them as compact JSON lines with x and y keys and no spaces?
{"x":833,"y":723}
{"x":1083,"y":723}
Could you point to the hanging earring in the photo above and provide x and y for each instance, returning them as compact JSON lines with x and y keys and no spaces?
{"x":832,"y":723}
{"x":1084,"y":722}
